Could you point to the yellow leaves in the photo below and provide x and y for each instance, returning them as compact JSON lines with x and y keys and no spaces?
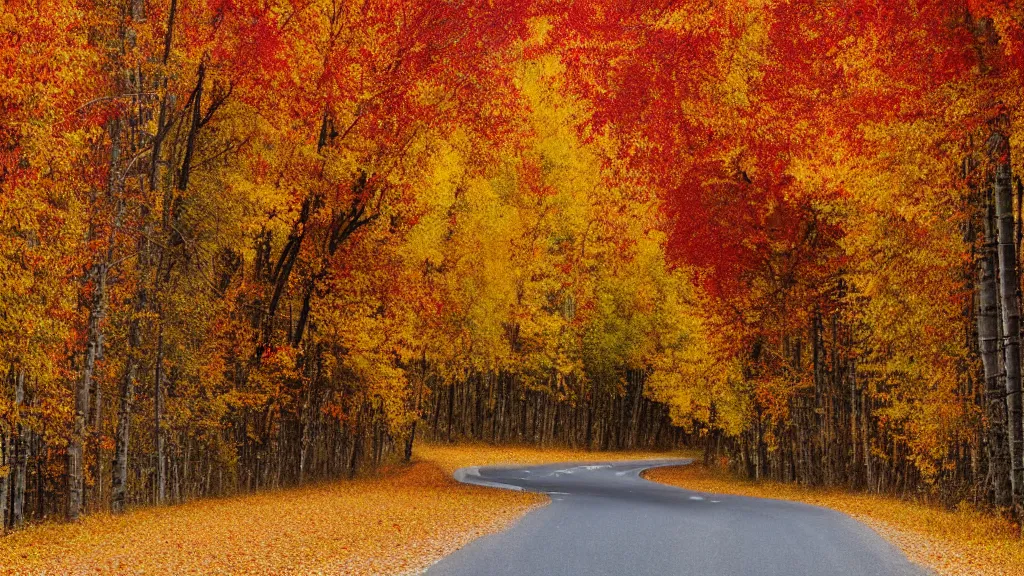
{"x":522,"y":262}
{"x":397,"y":523}
{"x":692,"y":372}
{"x":686,"y":18}
{"x":451,"y":457}
{"x":742,"y":63}
{"x":373,"y":526}
{"x":236,"y":399}
{"x":539,"y":28}
{"x":447,"y":171}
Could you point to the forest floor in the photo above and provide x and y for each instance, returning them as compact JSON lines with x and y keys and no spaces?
{"x":399,"y":521}
{"x":964,"y":542}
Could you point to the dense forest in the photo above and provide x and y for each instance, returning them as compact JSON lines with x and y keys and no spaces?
{"x":249,"y":244}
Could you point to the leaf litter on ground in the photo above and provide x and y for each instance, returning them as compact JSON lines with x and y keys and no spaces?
{"x":397,"y":522}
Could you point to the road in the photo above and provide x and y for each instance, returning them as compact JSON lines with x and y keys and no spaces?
{"x":604,"y":519}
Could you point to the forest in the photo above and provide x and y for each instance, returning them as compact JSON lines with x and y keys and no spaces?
{"x":251,"y":244}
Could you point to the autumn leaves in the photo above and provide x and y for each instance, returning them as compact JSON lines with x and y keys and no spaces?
{"x":251,"y":244}
{"x":810,"y":155}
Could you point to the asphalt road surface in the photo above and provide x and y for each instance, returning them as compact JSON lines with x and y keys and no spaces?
{"x":604,"y":519}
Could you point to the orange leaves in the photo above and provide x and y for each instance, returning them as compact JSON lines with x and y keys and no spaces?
{"x":804,"y":155}
{"x":386,"y":193}
{"x":397,"y":523}
{"x":453,"y":457}
{"x":389,"y":525}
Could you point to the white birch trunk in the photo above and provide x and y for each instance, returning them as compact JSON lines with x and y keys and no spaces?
{"x":1009,"y":282}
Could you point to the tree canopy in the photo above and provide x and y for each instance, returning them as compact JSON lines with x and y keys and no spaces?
{"x":246,"y":244}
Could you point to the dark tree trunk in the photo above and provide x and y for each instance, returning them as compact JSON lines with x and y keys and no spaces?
{"x":5,"y":480}
{"x":21,"y":449}
{"x":158,"y":408}
{"x":119,"y":485}
{"x":1009,"y":284}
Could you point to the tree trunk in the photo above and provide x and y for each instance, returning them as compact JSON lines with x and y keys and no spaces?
{"x":21,"y":448}
{"x":93,"y":351}
{"x":416,"y":409}
{"x":1009,"y":285}
{"x":451,"y":411}
{"x":865,"y":435}
{"x":590,"y":420}
{"x":5,"y":479}
{"x":163,"y":125}
{"x":97,"y":433}
{"x":123,"y":434}
{"x":988,"y":346}
{"x":357,"y":441}
{"x":130,"y":375}
{"x":98,"y":275}
{"x":634,"y":424}
{"x":197,"y":121}
{"x":309,"y":408}
{"x":20,"y":478}
{"x":158,"y":409}
{"x":155,"y":184}
{"x":495,"y":416}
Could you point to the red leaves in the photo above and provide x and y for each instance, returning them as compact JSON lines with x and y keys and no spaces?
{"x":246,"y":41}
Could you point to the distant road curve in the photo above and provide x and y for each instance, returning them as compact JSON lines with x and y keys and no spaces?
{"x":605,"y":520}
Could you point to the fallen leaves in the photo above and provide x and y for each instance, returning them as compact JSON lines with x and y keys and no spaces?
{"x":964,"y":542}
{"x":397,"y":523}
{"x":454,"y":456}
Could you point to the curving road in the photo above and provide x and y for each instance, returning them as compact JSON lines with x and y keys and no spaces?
{"x":605,"y":520}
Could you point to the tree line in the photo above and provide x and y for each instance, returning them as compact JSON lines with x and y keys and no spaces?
{"x":247,"y":245}
{"x":843,"y":182}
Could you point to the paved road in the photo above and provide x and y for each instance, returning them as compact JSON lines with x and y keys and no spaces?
{"x":605,"y":520}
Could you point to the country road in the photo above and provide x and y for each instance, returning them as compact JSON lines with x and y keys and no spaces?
{"x":604,"y":519}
